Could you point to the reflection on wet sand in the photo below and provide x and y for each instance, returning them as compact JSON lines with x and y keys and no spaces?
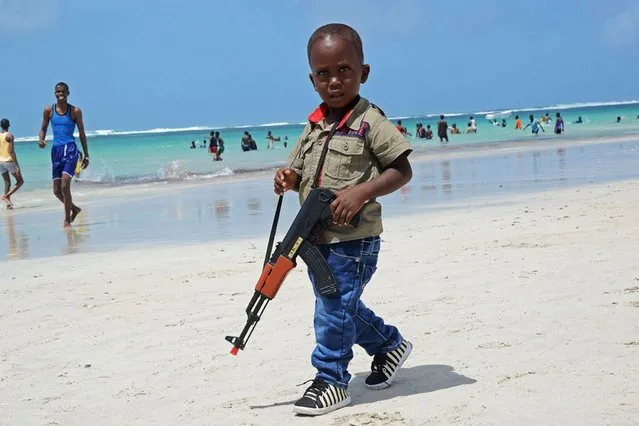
{"x":254,"y":205}
{"x":222,"y":209}
{"x":18,"y":242}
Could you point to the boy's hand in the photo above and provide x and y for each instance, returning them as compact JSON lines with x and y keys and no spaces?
{"x":42,"y":143}
{"x":285,"y":179}
{"x":347,"y":203}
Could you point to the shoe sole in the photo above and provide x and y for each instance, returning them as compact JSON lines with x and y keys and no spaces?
{"x":389,"y":382}
{"x":306,"y":411}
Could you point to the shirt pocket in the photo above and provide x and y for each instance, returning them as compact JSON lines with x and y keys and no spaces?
{"x":308,"y":169}
{"x":346,"y":161}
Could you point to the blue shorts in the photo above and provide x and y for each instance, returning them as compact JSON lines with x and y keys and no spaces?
{"x":64,"y":158}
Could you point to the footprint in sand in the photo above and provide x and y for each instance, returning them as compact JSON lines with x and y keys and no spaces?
{"x":372,"y":419}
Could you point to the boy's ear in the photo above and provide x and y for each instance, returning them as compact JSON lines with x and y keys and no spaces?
{"x":366,"y":69}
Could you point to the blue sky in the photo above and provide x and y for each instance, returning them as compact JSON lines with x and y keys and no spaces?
{"x":157,"y":63}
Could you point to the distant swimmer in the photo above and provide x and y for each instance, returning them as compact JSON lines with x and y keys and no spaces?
{"x":454,"y":130}
{"x":503,"y":123}
{"x":64,"y":118}
{"x":442,"y":129}
{"x":401,"y":128}
{"x":246,"y":142}
{"x":429,"y":132}
{"x":220,"y":147}
{"x":8,"y":163}
{"x":517,"y":123}
{"x":470,"y":128}
{"x":193,"y":145}
{"x":559,"y":124}
{"x":534,"y":125}
{"x":618,"y":119}
{"x":271,"y":140}
{"x":579,"y":120}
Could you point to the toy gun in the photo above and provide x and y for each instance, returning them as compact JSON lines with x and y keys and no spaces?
{"x":311,"y":221}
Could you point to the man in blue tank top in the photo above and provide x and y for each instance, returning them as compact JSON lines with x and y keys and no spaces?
{"x":64,"y":117}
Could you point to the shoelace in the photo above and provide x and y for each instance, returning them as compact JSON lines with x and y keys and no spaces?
{"x":317,"y":384}
{"x":379,"y":362}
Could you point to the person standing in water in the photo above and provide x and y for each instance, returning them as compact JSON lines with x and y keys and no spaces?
{"x":559,"y":124}
{"x":64,"y":118}
{"x":8,"y":163}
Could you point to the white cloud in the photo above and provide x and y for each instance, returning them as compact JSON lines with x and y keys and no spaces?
{"x":623,"y":29}
{"x":27,"y":15}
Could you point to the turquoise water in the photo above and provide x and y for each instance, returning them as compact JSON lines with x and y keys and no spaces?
{"x":162,"y":156}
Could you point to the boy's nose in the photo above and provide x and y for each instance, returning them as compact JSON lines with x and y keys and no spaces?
{"x":334,"y":82}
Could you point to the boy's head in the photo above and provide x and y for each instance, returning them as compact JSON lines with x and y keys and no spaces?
{"x":557,"y":115}
{"x":4,"y":123}
{"x":441,"y":117}
{"x":336,"y":58}
{"x":217,"y":134}
{"x":428,"y":126}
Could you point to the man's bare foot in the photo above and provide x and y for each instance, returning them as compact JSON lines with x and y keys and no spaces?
{"x":8,"y":202}
{"x":67,"y":224}
{"x":75,"y":212}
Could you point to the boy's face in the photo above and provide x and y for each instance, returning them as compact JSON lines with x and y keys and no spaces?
{"x":336,"y":71}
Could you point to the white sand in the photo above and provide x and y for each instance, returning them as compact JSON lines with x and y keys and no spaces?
{"x":522,"y":311}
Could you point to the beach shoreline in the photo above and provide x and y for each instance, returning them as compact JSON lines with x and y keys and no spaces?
{"x":503,"y":300}
{"x":419,"y":155}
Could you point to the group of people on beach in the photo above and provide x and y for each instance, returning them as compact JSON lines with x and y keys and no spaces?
{"x":443,"y":128}
{"x":66,"y":159}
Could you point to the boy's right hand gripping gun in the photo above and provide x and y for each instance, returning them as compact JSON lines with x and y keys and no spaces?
{"x":311,"y":221}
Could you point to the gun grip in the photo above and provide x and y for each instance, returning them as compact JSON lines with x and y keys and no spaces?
{"x":323,"y":277}
{"x":356,"y":220}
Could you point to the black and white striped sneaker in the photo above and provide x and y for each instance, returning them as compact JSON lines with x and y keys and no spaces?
{"x":321,"y":398}
{"x":385,"y":366}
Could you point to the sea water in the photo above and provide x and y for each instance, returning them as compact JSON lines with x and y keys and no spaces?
{"x":162,"y":156}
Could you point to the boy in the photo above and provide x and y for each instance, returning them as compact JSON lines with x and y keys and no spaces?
{"x":367,"y":158}
{"x":64,"y":117}
{"x":8,"y":163}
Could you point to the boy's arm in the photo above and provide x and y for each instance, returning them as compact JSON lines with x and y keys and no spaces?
{"x":391,"y":150}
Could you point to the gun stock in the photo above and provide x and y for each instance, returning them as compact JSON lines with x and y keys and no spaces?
{"x":308,"y":225}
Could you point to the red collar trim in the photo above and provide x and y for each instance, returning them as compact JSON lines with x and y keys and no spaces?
{"x":322,"y":111}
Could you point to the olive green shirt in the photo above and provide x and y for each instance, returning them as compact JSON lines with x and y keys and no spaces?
{"x":363,"y":146}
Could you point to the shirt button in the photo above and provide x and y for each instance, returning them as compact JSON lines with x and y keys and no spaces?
{"x":345,"y":147}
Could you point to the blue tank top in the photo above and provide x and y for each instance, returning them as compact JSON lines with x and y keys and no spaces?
{"x":63,"y":126}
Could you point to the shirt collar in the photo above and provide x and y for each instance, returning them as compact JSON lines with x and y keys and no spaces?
{"x":352,"y":119}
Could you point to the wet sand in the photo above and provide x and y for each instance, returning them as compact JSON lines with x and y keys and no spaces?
{"x":240,"y":207}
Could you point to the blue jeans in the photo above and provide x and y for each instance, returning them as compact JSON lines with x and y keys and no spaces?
{"x":343,"y":321}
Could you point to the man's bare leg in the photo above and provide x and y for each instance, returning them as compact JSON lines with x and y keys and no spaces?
{"x":6,"y":196}
{"x":62,"y":191}
{"x":19,"y":182}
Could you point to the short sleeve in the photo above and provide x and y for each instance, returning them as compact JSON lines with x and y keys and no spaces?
{"x":386,"y":142}
{"x":296,"y":158}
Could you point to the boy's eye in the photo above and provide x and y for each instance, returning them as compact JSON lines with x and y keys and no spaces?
{"x":322,"y":73}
